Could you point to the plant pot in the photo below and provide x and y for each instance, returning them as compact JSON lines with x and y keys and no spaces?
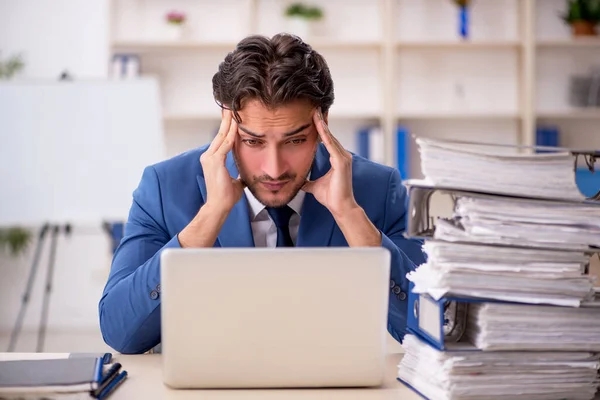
{"x":583,"y":28}
{"x":300,"y":27}
{"x":174,"y":31}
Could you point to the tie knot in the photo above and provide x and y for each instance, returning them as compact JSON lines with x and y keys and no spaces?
{"x":280,"y":215}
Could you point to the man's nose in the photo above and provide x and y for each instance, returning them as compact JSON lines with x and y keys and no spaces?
{"x":274,"y":164}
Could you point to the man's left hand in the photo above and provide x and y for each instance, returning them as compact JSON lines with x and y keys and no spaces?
{"x":334,"y":189}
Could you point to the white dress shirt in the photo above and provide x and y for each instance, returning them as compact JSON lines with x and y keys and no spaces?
{"x":264,"y":230}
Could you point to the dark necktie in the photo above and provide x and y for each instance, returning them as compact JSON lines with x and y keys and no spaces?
{"x":281,"y":216}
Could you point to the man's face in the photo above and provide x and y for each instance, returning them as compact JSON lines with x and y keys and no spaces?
{"x":274,"y":149}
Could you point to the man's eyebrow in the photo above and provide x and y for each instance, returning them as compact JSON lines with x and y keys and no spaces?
{"x":257,"y":135}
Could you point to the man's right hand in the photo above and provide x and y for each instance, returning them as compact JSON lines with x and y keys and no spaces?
{"x":222,"y":191}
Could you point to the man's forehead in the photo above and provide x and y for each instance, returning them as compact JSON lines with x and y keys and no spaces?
{"x":302,"y":128}
{"x":290,"y":110}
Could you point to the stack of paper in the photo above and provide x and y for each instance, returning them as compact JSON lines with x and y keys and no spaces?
{"x":503,"y":273}
{"x":508,"y":276}
{"x":483,"y":168}
{"x":470,"y":375}
{"x":497,"y":326}
{"x":522,"y":222}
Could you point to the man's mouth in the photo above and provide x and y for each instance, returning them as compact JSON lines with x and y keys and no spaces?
{"x":274,"y":186}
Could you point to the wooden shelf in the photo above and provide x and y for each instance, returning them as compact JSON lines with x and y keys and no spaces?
{"x":456,"y":116}
{"x":185,"y":46}
{"x":572,"y":43}
{"x":474,"y":45}
{"x":202,"y":117}
{"x":592,"y":113}
{"x":190,"y":118}
{"x":167,"y":46}
{"x":332,"y":44}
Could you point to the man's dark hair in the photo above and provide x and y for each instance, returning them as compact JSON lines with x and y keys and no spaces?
{"x":275,"y":71}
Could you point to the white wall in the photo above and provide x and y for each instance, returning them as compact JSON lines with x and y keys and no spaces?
{"x":53,"y":36}
{"x":56,"y":35}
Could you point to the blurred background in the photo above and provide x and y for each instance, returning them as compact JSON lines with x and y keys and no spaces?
{"x":91,"y":91}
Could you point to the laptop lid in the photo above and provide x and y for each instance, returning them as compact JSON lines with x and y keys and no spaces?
{"x":260,"y":317}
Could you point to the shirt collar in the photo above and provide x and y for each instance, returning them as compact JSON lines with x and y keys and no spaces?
{"x":256,"y":206}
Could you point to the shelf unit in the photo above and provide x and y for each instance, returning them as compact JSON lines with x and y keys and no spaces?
{"x":455,"y":45}
{"x":399,"y":67}
{"x":576,"y":43}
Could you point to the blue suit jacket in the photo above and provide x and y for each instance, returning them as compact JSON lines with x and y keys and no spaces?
{"x":170,"y":194}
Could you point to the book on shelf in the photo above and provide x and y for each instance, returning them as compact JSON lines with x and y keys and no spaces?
{"x":370,"y":145}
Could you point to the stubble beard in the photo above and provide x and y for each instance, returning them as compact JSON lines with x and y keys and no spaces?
{"x":253,"y":182}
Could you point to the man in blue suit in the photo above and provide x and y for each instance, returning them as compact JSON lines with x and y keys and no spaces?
{"x":274,"y":175}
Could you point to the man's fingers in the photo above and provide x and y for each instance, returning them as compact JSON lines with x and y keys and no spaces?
{"x":308,"y":186}
{"x":238,"y":182}
{"x":334,"y":147}
{"x":229,"y":140}
{"x":323,"y":133}
{"x":223,"y":130}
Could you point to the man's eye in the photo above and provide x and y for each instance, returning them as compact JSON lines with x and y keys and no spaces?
{"x":251,"y":142}
{"x":297,"y":141}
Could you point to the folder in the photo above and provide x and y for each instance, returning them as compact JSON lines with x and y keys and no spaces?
{"x":79,"y":376}
{"x":427,"y":319}
{"x":369,"y":143}
{"x":467,"y":323}
{"x":403,"y":151}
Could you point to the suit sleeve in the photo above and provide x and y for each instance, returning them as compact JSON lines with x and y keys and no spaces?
{"x":407,"y":254}
{"x":129,"y":308}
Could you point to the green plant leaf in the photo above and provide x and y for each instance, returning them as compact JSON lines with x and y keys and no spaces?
{"x":303,"y":11}
{"x":295,"y":9}
{"x":581,"y":10}
{"x":15,"y":239}
{"x":11,"y":66}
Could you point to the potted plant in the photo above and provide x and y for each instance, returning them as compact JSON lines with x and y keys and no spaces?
{"x":582,"y":16}
{"x":11,"y":66}
{"x":301,"y":18}
{"x":175,"y":24}
{"x":15,"y":239}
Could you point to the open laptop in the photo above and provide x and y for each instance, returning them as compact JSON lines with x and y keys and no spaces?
{"x":283,"y":317}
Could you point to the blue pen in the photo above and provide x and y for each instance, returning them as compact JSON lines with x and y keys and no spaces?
{"x":110,"y":388}
{"x":110,"y":373}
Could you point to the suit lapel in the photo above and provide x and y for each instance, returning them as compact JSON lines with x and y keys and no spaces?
{"x":236,"y":230}
{"x":316,"y":222}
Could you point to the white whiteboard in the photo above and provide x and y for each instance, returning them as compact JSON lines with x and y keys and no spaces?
{"x":75,"y":151}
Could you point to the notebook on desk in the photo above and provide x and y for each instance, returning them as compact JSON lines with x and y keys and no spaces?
{"x":75,"y":377}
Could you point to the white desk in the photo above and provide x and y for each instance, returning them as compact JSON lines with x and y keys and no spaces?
{"x":145,"y":382}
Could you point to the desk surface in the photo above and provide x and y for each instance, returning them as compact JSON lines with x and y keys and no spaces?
{"x":145,"y":382}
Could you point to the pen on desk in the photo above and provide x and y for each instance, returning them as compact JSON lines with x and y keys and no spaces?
{"x":114,"y":384}
{"x":108,"y":377}
{"x":110,"y":373}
